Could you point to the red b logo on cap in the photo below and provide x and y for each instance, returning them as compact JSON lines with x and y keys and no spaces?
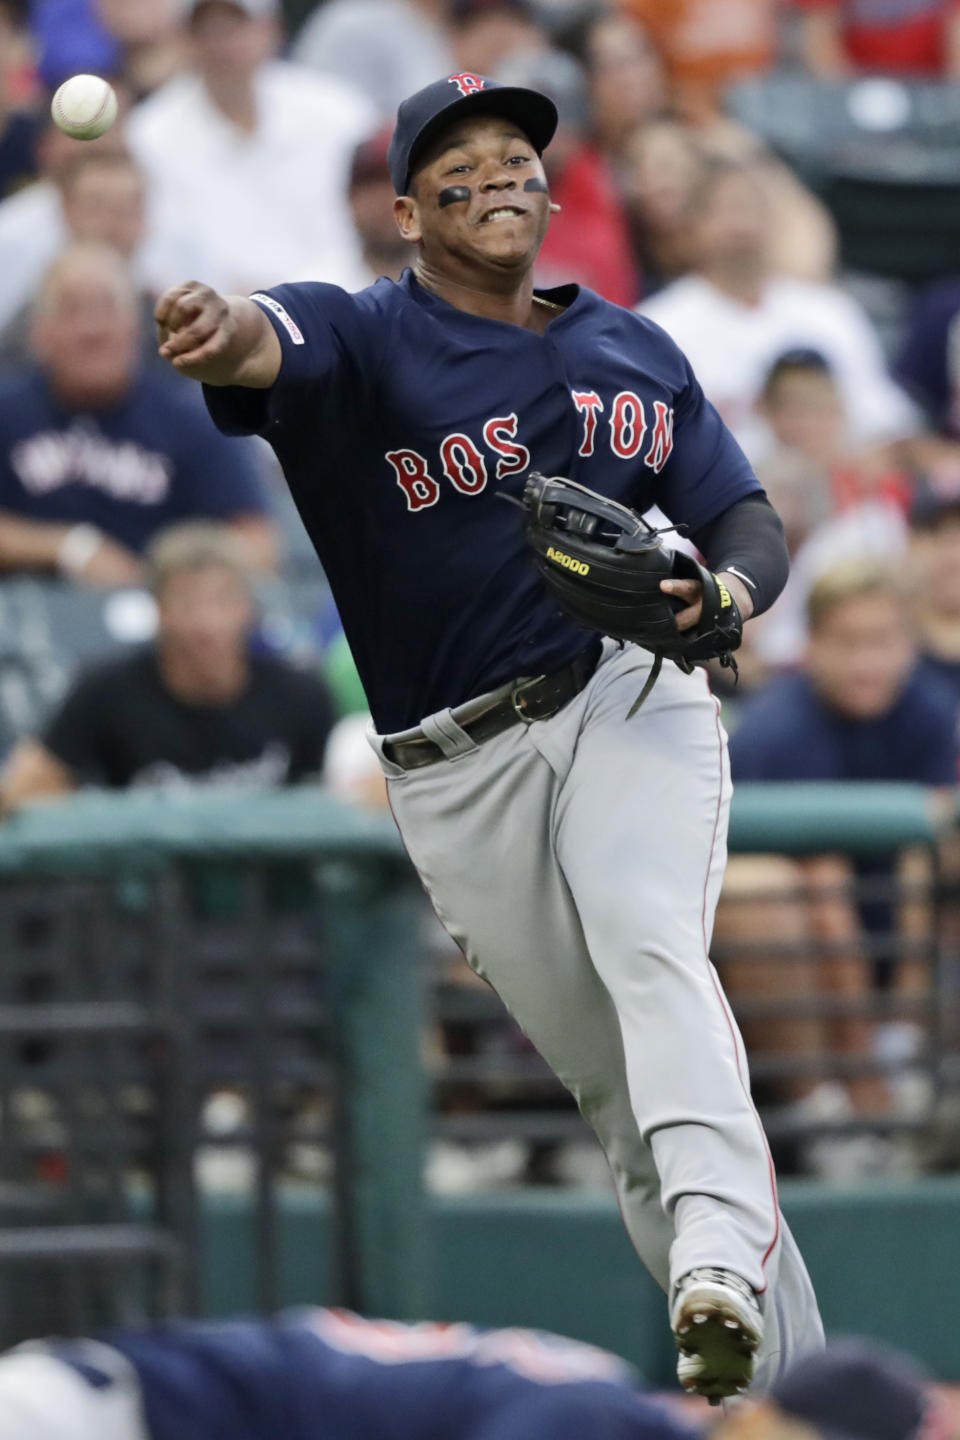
{"x":467,"y":84}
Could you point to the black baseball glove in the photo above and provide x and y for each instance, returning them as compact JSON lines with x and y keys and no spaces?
{"x":604,"y":563}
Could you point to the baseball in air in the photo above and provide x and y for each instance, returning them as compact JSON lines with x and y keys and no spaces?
{"x":84,"y":107}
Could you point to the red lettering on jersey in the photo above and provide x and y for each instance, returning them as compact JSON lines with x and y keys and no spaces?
{"x":661,"y":444}
{"x":590,"y":405}
{"x":628,"y":425}
{"x":463,"y":464}
{"x":467,"y":84}
{"x":499,"y":434}
{"x":414,"y":479}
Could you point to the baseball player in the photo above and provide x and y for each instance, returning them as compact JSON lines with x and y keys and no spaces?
{"x":572,"y":838}
{"x":326,"y":1373}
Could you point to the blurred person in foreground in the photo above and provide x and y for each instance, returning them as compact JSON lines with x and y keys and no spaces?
{"x":310,"y":1371}
{"x":860,"y":709}
{"x":840,"y":39}
{"x":195,"y":708}
{"x":313,"y":1372}
{"x":97,"y":454}
{"x":387,"y":49}
{"x":733,"y":315}
{"x":254,"y":150}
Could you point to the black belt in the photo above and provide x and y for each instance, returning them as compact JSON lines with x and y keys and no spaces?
{"x":528,"y":700}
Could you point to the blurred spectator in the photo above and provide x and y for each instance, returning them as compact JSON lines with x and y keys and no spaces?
{"x":804,"y":410}
{"x":488,"y":34}
{"x":39,"y":221}
{"x":659,"y":169}
{"x":18,"y":124}
{"x":836,"y":504}
{"x":103,"y":202}
{"x":96,"y":454}
{"x":194,"y":709}
{"x":625,"y":72}
{"x":733,"y":316}
{"x":929,"y":360}
{"x":860,"y":709}
{"x":387,"y":49}
{"x":935,"y":567}
{"x":905,"y":37}
{"x":16,"y":45}
{"x":383,"y":250}
{"x":150,"y":36}
{"x":708,"y":45}
{"x":255,"y":151}
{"x":588,"y":242}
{"x":70,"y":39}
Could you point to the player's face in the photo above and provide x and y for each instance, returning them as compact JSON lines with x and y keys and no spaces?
{"x":494,"y":221}
{"x":860,"y":656}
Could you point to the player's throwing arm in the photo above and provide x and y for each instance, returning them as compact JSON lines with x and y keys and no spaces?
{"x":215,"y":339}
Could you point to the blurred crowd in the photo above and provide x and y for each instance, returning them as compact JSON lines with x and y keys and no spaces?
{"x":199,"y":646}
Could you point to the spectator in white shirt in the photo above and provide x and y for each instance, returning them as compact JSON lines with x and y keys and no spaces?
{"x":388,"y":49}
{"x":733,"y":317}
{"x":254,"y":150}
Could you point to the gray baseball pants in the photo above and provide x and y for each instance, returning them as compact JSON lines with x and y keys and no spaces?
{"x":577,"y":861}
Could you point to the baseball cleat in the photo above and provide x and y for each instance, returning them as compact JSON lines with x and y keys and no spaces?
{"x":718,"y":1327}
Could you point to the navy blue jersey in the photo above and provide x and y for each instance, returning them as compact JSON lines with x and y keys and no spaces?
{"x":399,"y":419}
{"x":329,"y":1375}
{"x":148,"y":461}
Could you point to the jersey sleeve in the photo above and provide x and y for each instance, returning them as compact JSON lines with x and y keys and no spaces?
{"x":706,"y":472}
{"x":215,"y":478}
{"x":321,"y":334}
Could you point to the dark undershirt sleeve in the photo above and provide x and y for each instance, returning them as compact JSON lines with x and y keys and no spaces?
{"x":748,"y":540}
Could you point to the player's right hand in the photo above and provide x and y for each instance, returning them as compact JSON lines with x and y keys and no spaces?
{"x":219,"y":340}
{"x":194,"y":327}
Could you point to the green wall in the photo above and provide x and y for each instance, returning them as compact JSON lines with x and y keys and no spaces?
{"x":885,"y":1261}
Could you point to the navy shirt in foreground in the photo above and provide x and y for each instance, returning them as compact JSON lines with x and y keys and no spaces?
{"x":329,"y":1375}
{"x":788,"y":733}
{"x":149,"y":461}
{"x":399,"y":419}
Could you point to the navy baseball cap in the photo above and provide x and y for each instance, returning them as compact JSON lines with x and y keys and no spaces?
{"x":858,"y":1390}
{"x":425,"y":114}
